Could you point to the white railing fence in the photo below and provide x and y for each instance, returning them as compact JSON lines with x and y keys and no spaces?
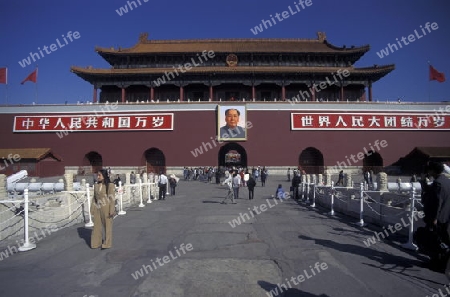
{"x":395,"y":204}
{"x":68,"y":208}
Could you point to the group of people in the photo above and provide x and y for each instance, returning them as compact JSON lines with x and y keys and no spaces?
{"x":435,"y":200}
{"x":234,"y":181}
{"x":133,"y":177}
{"x":200,"y":173}
{"x":163,"y":181}
{"x":434,"y":238}
{"x":235,"y":178}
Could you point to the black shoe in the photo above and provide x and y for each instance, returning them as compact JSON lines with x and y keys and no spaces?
{"x":436,"y":265}
{"x":447,"y":269}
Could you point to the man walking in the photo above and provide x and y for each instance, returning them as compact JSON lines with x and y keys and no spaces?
{"x":229,"y":182}
{"x":236,"y":184}
{"x":251,"y":183}
{"x":162,"y":186}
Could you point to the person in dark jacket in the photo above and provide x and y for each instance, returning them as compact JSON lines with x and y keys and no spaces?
{"x":340,"y":181}
{"x":296,"y":180}
{"x":172,"y":184}
{"x":117,"y":180}
{"x":430,"y":204}
{"x":440,"y":194}
{"x":217,"y":176}
{"x":251,"y":184}
{"x":263,"y":177}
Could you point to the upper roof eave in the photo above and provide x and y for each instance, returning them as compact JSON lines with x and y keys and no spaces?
{"x":244,"y":69}
{"x":248,"y":45}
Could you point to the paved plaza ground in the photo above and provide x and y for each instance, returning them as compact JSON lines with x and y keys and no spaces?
{"x":287,"y":246}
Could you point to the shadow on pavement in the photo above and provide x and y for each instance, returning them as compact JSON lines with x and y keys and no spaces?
{"x":374,"y":255}
{"x":85,"y":233}
{"x":273,"y":290}
{"x":414,"y":279}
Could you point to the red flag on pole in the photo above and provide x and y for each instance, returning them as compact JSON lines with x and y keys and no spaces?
{"x":4,"y":75}
{"x":436,"y":75}
{"x":32,"y":77}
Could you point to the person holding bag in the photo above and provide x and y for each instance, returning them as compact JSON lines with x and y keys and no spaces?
{"x":103,"y":209}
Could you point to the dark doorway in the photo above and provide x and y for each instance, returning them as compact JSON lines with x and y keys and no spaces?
{"x":311,"y":160}
{"x":92,"y":163}
{"x":155,"y":160}
{"x":232,"y":154}
{"x":373,"y":161}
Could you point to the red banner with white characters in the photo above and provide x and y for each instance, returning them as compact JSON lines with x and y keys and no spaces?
{"x":87,"y":123}
{"x":372,"y":121}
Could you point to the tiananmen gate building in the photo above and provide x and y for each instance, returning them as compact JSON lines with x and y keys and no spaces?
{"x":166,"y":104}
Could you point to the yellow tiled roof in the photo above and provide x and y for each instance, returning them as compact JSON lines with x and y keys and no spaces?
{"x":28,"y":153}
{"x":249,"y":45}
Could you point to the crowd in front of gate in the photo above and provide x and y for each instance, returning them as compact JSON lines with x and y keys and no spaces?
{"x":432,"y":240}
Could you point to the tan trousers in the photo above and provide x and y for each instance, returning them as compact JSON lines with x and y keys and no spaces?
{"x":102,"y":221}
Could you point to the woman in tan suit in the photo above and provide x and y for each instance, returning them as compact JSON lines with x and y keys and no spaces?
{"x":103,"y":210}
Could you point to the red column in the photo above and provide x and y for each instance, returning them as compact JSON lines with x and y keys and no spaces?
{"x":123,"y":95}
{"x":342,"y":93}
{"x":94,"y":97}
{"x":313,"y":93}
{"x":152,"y":93}
{"x":370,"y":92}
{"x":211,"y":94}
{"x":253,"y":92}
{"x":283,"y":93}
{"x":181,"y":93}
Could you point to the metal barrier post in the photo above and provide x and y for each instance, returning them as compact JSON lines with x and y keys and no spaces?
{"x":331,"y":213}
{"x":303,"y":189}
{"x":140,"y":193}
{"x":121,"y":211}
{"x":88,"y":195}
{"x":361,"y":210}
{"x":314,"y":197}
{"x":149,"y":192}
{"x":307,"y":192}
{"x":410,"y":245}
{"x":26,"y":245}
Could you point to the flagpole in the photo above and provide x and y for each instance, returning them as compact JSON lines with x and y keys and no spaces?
{"x":429,"y":83}
{"x":6,"y":85}
{"x":6,"y":93}
{"x":36,"y":85}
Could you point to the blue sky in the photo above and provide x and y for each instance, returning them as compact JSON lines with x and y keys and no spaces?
{"x":28,"y":24}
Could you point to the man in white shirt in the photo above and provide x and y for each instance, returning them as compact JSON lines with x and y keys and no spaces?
{"x":229,"y":182}
{"x":162,"y":186}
